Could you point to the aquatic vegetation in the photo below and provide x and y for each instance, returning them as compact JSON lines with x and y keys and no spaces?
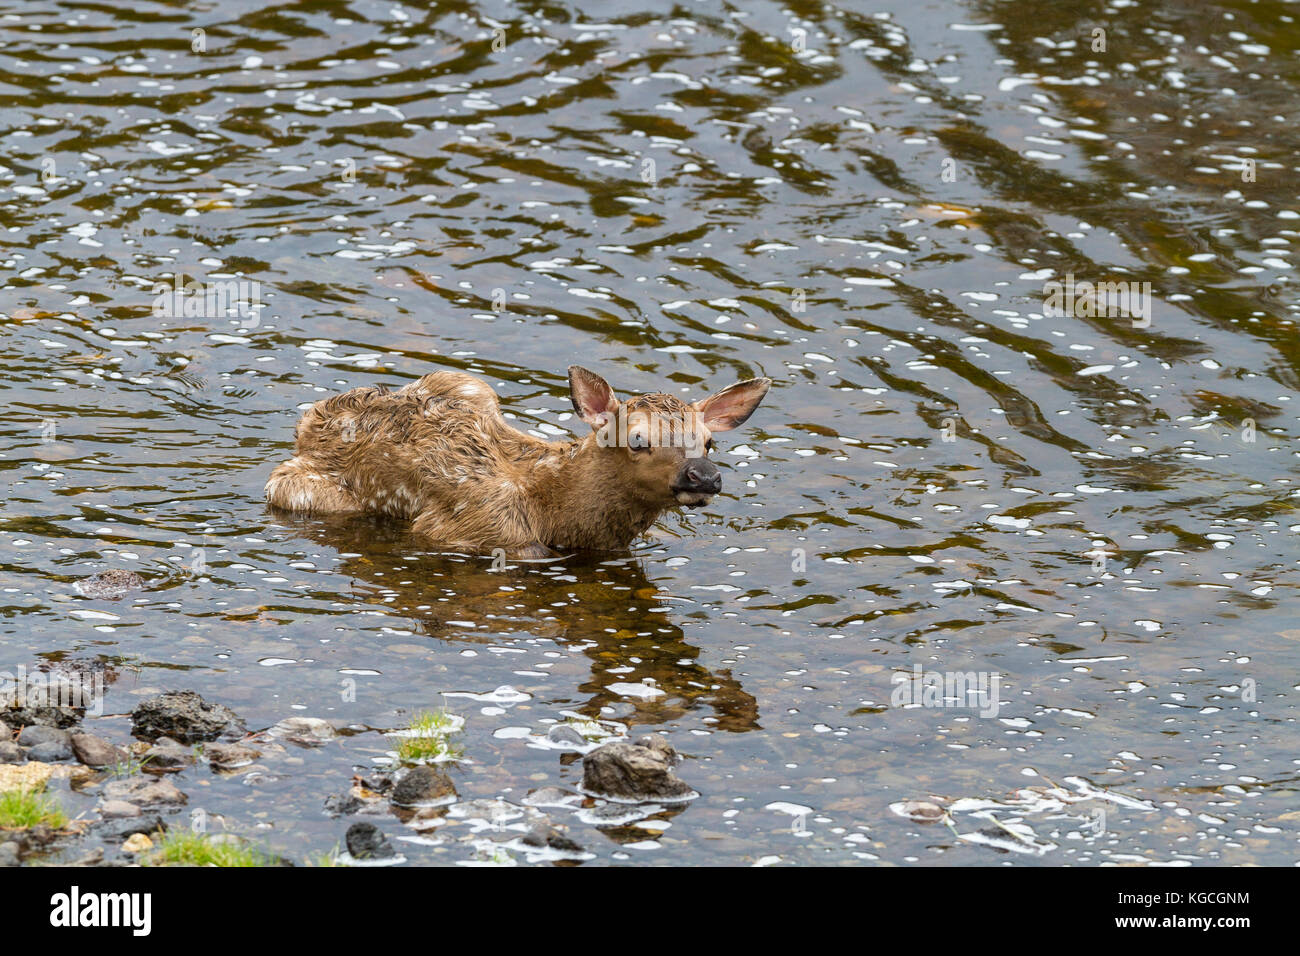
{"x":29,"y":807}
{"x":427,"y":738}
{"x":187,"y":848}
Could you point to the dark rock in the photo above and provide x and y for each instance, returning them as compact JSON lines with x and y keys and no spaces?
{"x":343,"y":804}
{"x":9,"y":854}
{"x":634,"y":773}
{"x":166,"y":756}
{"x":567,"y":736}
{"x":144,"y":792}
{"x":545,"y":835}
{"x":49,"y":715}
{"x":230,"y":756}
{"x":184,"y":716}
{"x":45,"y":700}
{"x":39,"y":734}
{"x":10,"y":752}
{"x":366,"y":841}
{"x":423,"y":786}
{"x":111,"y":585}
{"x":96,"y":752}
{"x":51,"y":752}
{"x":115,"y":831}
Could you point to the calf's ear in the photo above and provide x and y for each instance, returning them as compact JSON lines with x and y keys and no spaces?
{"x":731,"y":406}
{"x":592,"y":397}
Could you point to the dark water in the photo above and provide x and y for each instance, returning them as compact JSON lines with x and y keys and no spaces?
{"x":676,"y":196}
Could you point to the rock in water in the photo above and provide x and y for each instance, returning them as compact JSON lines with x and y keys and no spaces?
{"x":307,"y":731}
{"x":144,"y":792}
{"x":545,"y":835}
{"x":183,"y":716}
{"x":96,"y":752}
{"x":167,"y":756}
{"x":51,"y":752}
{"x":137,"y":843}
{"x":423,"y":787}
{"x":635,"y":773}
{"x":38,"y":734}
{"x":566,"y":736}
{"x":119,"y":810}
{"x":365,"y":841}
{"x":110,"y":585}
{"x":230,"y":756}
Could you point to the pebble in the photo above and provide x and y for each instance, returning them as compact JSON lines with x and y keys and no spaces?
{"x":137,"y":843}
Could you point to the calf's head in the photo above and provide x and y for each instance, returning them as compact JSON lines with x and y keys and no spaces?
{"x":659,"y":443}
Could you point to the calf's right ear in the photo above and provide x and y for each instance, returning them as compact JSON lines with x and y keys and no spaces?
{"x":592,"y":397}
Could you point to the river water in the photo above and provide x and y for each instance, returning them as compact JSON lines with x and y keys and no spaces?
{"x":1093,"y":513}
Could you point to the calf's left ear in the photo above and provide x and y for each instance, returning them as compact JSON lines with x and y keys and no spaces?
{"x":731,"y":406}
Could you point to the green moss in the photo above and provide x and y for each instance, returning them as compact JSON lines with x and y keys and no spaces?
{"x":20,"y":809}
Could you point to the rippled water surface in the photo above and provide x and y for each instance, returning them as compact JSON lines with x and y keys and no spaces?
{"x":863,"y":202}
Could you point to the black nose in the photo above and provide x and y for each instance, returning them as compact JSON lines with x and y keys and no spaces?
{"x":702,"y":475}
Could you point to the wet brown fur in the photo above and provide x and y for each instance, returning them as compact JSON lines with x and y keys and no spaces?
{"x":439,"y":453}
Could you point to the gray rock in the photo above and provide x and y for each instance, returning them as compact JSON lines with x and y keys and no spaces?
{"x":184,"y":716}
{"x":342,"y":804}
{"x":566,"y":735}
{"x":306,"y":731}
{"x":167,"y":756}
{"x":144,"y":792}
{"x":634,"y":773}
{"x":659,"y":743}
{"x":9,"y":854}
{"x":230,"y":756}
{"x":119,"y":809}
{"x":38,"y":734}
{"x":10,"y":752}
{"x":96,"y":752}
{"x":111,"y":585}
{"x":545,"y":835}
{"x":51,"y":752}
{"x":115,"y":831}
{"x":422,"y":787}
{"x":552,"y":797}
{"x":365,"y":841}
{"x":5,"y":732}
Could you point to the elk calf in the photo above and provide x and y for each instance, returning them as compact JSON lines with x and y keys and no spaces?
{"x":439,"y":454}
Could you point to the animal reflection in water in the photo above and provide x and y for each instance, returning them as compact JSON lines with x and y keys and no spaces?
{"x":619,"y":616}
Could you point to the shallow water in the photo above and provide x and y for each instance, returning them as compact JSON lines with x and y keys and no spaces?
{"x":864,"y":206}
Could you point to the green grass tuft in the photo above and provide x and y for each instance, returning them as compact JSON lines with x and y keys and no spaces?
{"x":21,"y":809}
{"x":186,"y":848}
{"x":427,"y":739}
